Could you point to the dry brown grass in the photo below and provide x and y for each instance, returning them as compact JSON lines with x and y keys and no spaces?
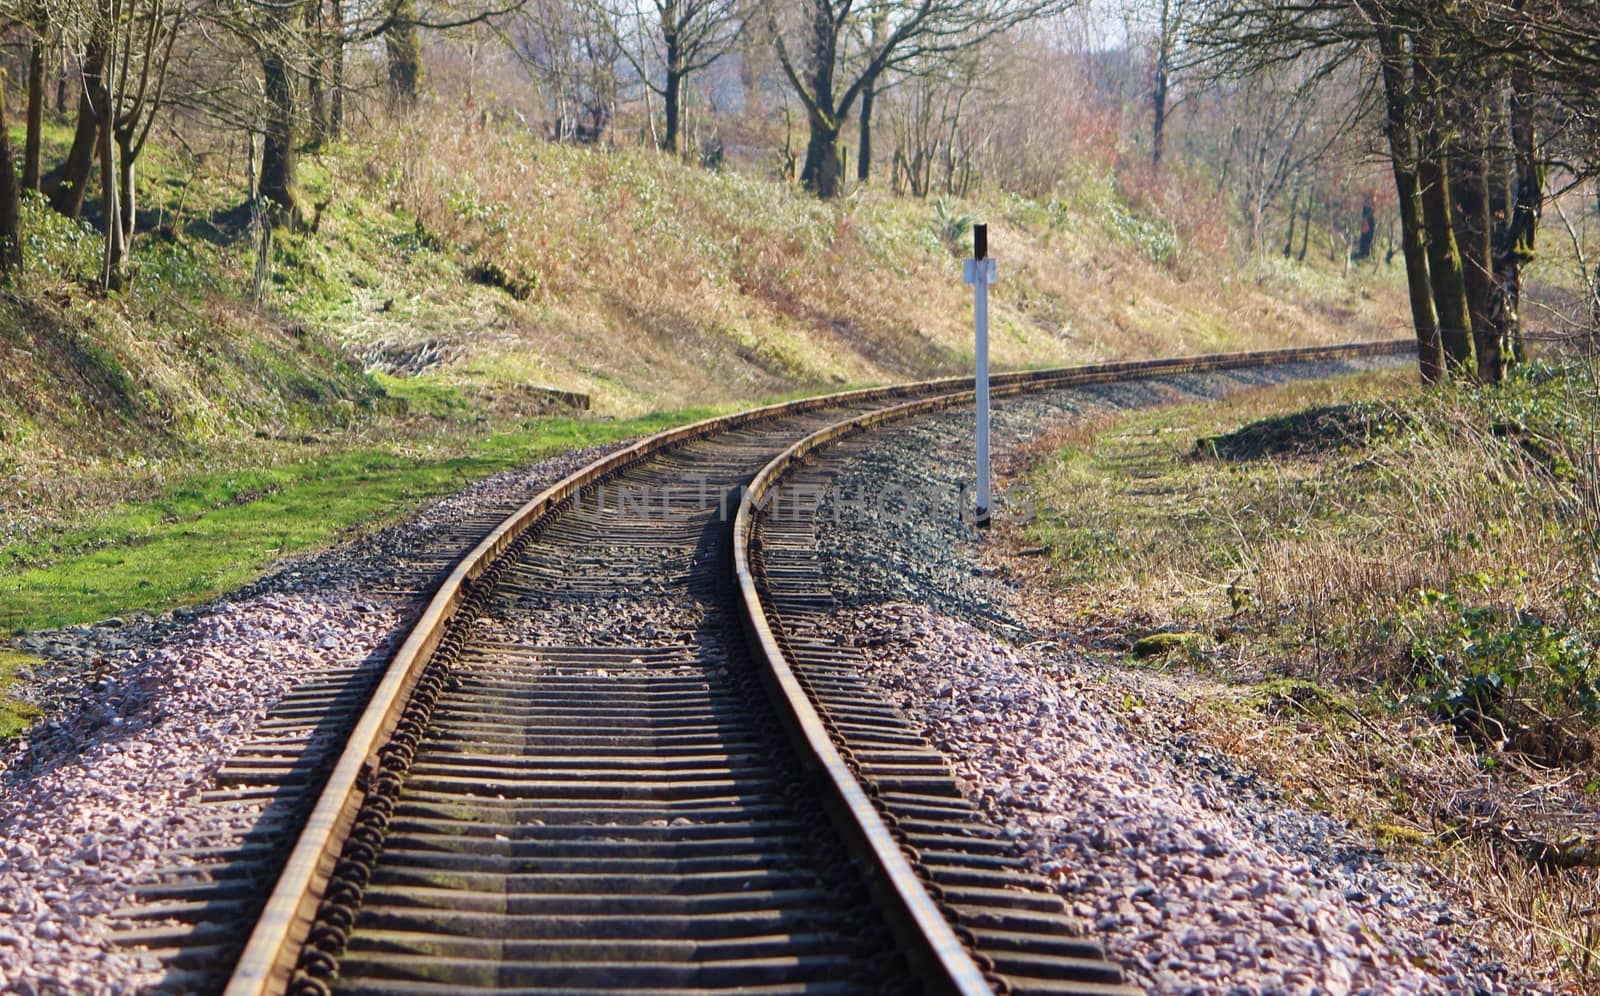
{"x":1325,"y":540}
{"x":658,"y":284}
{"x":1307,"y":571}
{"x":1415,"y":791}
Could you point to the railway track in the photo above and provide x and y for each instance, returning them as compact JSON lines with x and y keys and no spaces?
{"x":615,"y":755}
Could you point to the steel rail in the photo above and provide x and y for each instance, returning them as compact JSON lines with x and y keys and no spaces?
{"x":268,"y":960}
{"x":916,"y":919}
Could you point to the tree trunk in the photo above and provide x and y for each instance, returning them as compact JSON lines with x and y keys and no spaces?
{"x":1444,"y":256}
{"x":31,"y":145}
{"x":317,"y":78}
{"x":405,"y":54}
{"x":10,"y":199}
{"x":1400,"y":106}
{"x":126,"y":156}
{"x":62,"y":86}
{"x":1527,"y":201}
{"x":110,"y":201}
{"x":71,"y":185}
{"x":1294,"y":205}
{"x":317,"y":104}
{"x":278,"y":149}
{"x":336,"y":76}
{"x":821,"y":172}
{"x":1369,"y":231}
{"x":1305,"y":231}
{"x":822,"y":169}
{"x":1158,"y":95}
{"x":1413,"y":245}
{"x":672,"y":95}
{"x":1444,"y":265}
{"x":1469,"y":194}
{"x":1158,"y":131}
{"x":869,"y":94}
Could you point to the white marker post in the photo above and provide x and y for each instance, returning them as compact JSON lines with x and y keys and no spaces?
{"x":980,"y":272}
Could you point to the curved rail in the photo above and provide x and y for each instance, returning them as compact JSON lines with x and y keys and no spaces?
{"x":269,"y":956}
{"x":916,"y":919}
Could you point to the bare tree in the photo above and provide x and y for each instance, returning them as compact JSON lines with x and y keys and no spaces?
{"x":1288,"y":121}
{"x":667,"y":40}
{"x":573,"y":51}
{"x":141,"y":50}
{"x":1166,"y":22}
{"x":1463,"y":84}
{"x":400,"y":22}
{"x":929,"y":120}
{"x":834,"y":51}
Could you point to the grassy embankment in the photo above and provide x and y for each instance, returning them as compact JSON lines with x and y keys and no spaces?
{"x":163,"y":444}
{"x":1385,"y":601}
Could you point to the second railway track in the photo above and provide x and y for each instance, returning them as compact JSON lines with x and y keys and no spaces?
{"x":610,"y":758}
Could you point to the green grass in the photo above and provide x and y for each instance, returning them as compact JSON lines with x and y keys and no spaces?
{"x":427,"y":395}
{"x":1125,"y":504}
{"x":216,"y":531}
{"x":15,"y":714}
{"x":1439,"y":548}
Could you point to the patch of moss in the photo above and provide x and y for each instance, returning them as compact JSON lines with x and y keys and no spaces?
{"x":1161,"y":644}
{"x":16,"y":715}
{"x":1391,"y":833}
{"x":1295,"y":696}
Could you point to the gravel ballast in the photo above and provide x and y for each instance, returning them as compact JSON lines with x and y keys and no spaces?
{"x":1197,"y":877}
{"x":143,"y":712}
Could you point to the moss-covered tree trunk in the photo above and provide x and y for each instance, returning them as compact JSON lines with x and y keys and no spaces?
{"x":10,"y":199}
{"x":278,"y":153}
{"x":1516,"y":245}
{"x":1400,"y":109}
{"x":1419,"y":287}
{"x":1445,"y":273}
{"x":405,"y":54}
{"x":1469,"y":190}
{"x":35,"y":128}
{"x":71,"y":183}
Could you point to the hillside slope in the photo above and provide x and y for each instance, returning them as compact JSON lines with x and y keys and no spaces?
{"x":647,"y":283}
{"x":492,"y":263}
{"x":458,"y":284}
